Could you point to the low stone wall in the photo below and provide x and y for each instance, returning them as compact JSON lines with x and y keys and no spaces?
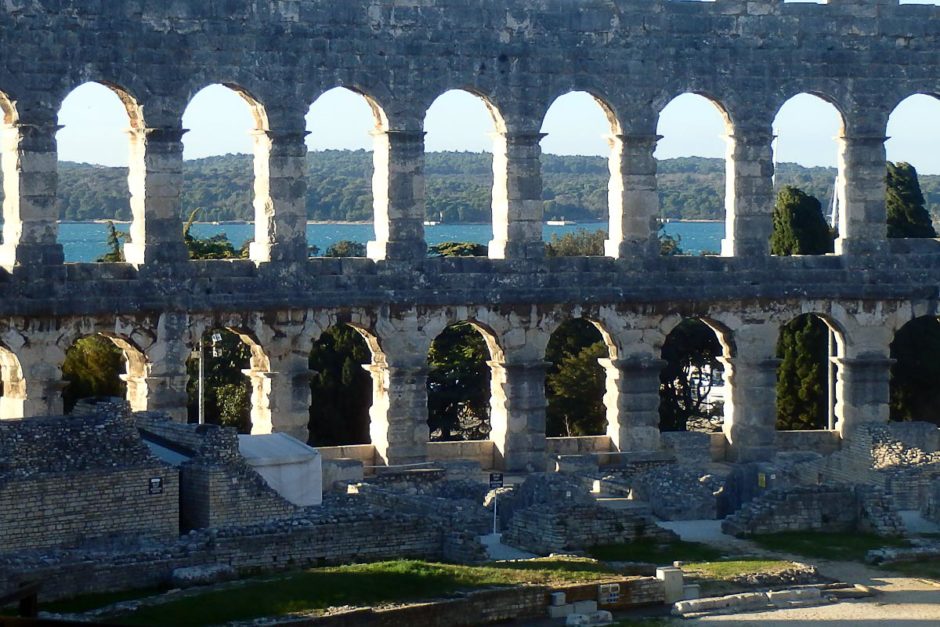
{"x":544,"y":529}
{"x":579,"y":445}
{"x":679,"y":492}
{"x":67,"y":481}
{"x":688,"y":447}
{"x":483,"y":607}
{"x":480,"y":451}
{"x":825,"y":508}
{"x":931,"y":505}
{"x":364,"y":453}
{"x":823,"y":442}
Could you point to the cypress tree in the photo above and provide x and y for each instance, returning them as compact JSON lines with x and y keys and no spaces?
{"x":799,"y":227}
{"x":907,"y":215}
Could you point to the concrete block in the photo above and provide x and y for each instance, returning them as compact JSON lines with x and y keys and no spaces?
{"x":558,"y":598}
{"x":560,"y":611}
{"x":672,"y":582}
{"x":691,"y":591}
{"x":585,"y":607}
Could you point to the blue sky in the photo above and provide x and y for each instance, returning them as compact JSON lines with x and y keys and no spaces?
{"x":94,"y":125}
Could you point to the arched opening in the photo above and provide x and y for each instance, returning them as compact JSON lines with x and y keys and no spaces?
{"x":575,"y":383}
{"x":225,"y":163}
{"x":460,"y":128}
{"x":692,"y":156}
{"x":807,"y":181}
{"x":692,"y":382}
{"x":13,"y":388}
{"x":340,"y":169}
{"x":221,"y":388}
{"x":104,"y":366}
{"x":95,"y":151}
{"x":913,"y":194}
{"x":9,"y":187}
{"x":341,"y":388}
{"x":915,"y":394}
{"x":581,"y":182}
{"x":807,"y":375}
{"x":459,"y":384}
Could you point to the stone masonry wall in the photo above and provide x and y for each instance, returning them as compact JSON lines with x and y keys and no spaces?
{"x":931,"y":506}
{"x":68,"y":481}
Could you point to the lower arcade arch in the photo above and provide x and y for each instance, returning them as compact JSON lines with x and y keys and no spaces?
{"x":693,"y":387}
{"x":808,"y":347}
{"x":575,"y":382}
{"x":915,"y":352}
{"x":13,"y":388}
{"x":104,"y":365}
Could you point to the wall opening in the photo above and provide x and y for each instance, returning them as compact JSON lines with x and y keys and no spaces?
{"x":223,"y":157}
{"x":340,"y":169}
{"x":692,"y":387}
{"x":94,"y":151}
{"x":13,"y":388}
{"x":692,"y":156}
{"x":575,"y":383}
{"x":579,"y":179}
{"x":915,"y":394}
{"x":913,"y":163}
{"x":459,"y":385}
{"x":101,"y":365}
{"x":341,"y":388}
{"x":806,"y":377}
{"x":459,"y":139}
{"x":227,"y":360}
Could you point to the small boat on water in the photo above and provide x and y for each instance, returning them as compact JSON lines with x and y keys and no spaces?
{"x":561,"y":222}
{"x":431,"y":223}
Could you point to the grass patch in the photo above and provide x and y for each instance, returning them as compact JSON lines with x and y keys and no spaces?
{"x":830,"y":546}
{"x":358,"y":584}
{"x":88,"y":602}
{"x":924,"y":570}
{"x":735,"y":568}
{"x":664,"y":553}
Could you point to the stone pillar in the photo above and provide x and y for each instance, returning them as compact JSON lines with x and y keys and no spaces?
{"x":398,"y":191}
{"x":750,"y":406}
{"x":749,"y":194}
{"x":517,"y":415}
{"x":863,"y":394}
{"x":632,"y":401}
{"x":155,"y":180}
{"x":280,"y":395}
{"x":863,"y":219}
{"x":12,"y":403}
{"x":517,"y":196}
{"x":41,"y":362}
{"x":399,"y":413}
{"x":280,"y":197}
{"x":633,"y":197}
{"x":167,"y":377}
{"x":30,"y":178}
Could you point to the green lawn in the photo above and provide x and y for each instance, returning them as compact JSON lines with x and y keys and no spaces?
{"x":660,"y":554}
{"x":727,"y":570}
{"x":358,"y":584}
{"x":830,"y":546}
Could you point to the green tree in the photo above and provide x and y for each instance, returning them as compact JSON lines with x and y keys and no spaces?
{"x":459,"y":385}
{"x":577,"y":244}
{"x":215,"y":247}
{"x":227,"y":389}
{"x":458,"y":249}
{"x":92,"y":368}
{"x":340,"y":387}
{"x":346,"y":248}
{"x":802,"y":377}
{"x":692,"y":369}
{"x":115,"y":245}
{"x":915,"y":394}
{"x":799,"y":227}
{"x":907,"y":216}
{"x":575,"y":382}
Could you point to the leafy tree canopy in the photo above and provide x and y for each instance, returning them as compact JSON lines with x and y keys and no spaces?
{"x":346,"y":248}
{"x":799,"y":227}
{"x":458,"y":249}
{"x":907,"y":216}
{"x":692,"y":368}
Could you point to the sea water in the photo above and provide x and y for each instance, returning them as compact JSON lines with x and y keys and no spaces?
{"x":86,"y":241}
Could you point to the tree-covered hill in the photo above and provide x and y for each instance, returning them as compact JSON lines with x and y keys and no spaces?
{"x":458,"y":187}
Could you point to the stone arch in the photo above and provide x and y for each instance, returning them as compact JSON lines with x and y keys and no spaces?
{"x":915,"y":351}
{"x":461,"y":393}
{"x":13,"y":390}
{"x":499,"y":202}
{"x":8,"y":110}
{"x":130,"y":384}
{"x":724,"y":205}
{"x":809,"y":346}
{"x":581,"y":344}
{"x":911,"y":139}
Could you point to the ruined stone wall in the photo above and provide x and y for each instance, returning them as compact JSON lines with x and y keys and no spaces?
{"x":931,"y":506}
{"x":73,"y":481}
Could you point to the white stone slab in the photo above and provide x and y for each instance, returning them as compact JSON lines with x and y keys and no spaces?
{"x":289,"y":466}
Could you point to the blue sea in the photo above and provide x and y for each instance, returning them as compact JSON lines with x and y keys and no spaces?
{"x":86,"y":241}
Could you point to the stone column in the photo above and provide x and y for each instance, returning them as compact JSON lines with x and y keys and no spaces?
{"x":398,"y":190}
{"x":167,"y":377}
{"x":155,"y":181}
{"x":280,"y":395}
{"x":632,"y":401}
{"x":517,"y":196}
{"x":280,"y":197}
{"x":12,"y":403}
{"x":863,"y":394}
{"x":30,"y":178}
{"x":399,"y":413}
{"x":862,"y":189}
{"x":517,"y":414}
{"x":750,"y":406}
{"x":633,"y":197}
{"x":41,"y":362}
{"x":749,"y":194}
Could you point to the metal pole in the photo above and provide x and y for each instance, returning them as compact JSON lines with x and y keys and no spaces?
{"x":202,"y":377}
{"x":831,"y":375}
{"x":495,"y":495}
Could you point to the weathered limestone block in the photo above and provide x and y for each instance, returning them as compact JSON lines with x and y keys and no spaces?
{"x":632,"y":401}
{"x":633,"y":198}
{"x":750,"y":404}
{"x":398,"y":191}
{"x":517,"y":414}
{"x":517,"y":196}
{"x":749,"y":197}
{"x":863,"y":222}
